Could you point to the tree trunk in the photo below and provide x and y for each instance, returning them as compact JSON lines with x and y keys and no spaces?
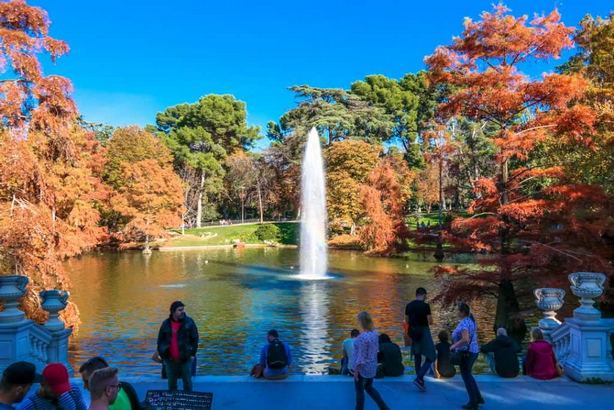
{"x":508,"y":312}
{"x":242,"y":198}
{"x":199,"y":209}
{"x":260,"y":202}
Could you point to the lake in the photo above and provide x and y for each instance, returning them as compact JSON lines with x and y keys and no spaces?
{"x":235,"y":296}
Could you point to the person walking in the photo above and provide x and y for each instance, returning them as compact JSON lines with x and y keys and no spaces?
{"x":366,"y":347}
{"x":16,"y":381}
{"x":104,"y":386}
{"x":419,"y":318}
{"x":177,"y":345}
{"x":465,"y":338}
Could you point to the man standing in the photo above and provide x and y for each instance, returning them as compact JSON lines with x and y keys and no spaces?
{"x":177,"y":345}
{"x":275,"y":357}
{"x":127,"y":399}
{"x":418,"y":316}
{"x":16,"y":381}
{"x":104,"y":386}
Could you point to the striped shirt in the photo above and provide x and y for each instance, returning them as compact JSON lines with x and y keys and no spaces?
{"x":71,"y":400}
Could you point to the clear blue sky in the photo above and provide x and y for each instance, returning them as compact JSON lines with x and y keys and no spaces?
{"x":130,"y":59}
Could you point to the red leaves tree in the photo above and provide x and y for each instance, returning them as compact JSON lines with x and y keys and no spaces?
{"x":384,"y":197}
{"x":524,"y":215}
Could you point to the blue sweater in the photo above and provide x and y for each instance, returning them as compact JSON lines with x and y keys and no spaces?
{"x":71,"y":400}
{"x":263,"y":361}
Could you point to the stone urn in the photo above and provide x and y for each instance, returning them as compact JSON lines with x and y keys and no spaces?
{"x":587,"y":286}
{"x":12,"y":289}
{"x":54,"y":301}
{"x":549,"y":300}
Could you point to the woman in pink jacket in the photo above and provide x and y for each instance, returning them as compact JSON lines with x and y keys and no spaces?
{"x":540,"y":362}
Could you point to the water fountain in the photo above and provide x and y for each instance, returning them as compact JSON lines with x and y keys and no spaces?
{"x":313,"y":249}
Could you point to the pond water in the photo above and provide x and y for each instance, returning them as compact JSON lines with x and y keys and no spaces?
{"x":235,"y":297}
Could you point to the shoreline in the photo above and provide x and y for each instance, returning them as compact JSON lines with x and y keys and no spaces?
{"x":229,"y":246}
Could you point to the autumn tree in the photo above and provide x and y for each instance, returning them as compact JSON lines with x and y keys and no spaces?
{"x":50,"y":173}
{"x":384,"y":198}
{"x":348,"y":164}
{"x":520,"y":221}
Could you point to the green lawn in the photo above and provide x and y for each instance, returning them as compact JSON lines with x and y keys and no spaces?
{"x":224,"y":235}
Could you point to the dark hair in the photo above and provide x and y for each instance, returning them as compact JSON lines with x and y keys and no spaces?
{"x":420,"y":291}
{"x":443,"y":336}
{"x":465,"y":310}
{"x":176,"y":305}
{"x":384,"y":338}
{"x":93,"y":364}
{"x":354,"y":333}
{"x":273,"y":333}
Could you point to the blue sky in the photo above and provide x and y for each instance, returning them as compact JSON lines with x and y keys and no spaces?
{"x":130,"y":59}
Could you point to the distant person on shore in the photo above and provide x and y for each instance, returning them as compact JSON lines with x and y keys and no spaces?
{"x":541,"y":362}
{"x":366,"y":346}
{"x":465,"y":338}
{"x":389,"y":358}
{"x":502,"y":354}
{"x":15,"y":383}
{"x":56,"y":392}
{"x":442,"y":367}
{"x":127,"y":398}
{"x":419,"y":319}
{"x":104,"y":386}
{"x":275,"y":357}
{"x":348,"y":353}
{"x":177,"y":345}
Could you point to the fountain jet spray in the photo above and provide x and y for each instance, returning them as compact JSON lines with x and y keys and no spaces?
{"x":314,"y":253}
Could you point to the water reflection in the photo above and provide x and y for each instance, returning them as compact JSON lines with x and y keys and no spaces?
{"x":235,"y":298}
{"x":313,"y":339}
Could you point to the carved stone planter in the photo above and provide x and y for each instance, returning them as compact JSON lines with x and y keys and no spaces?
{"x":549,"y":300}
{"x":587,"y":286}
{"x":12,"y":289}
{"x":54,"y":301}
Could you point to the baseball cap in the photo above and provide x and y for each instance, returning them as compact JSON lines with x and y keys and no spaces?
{"x":21,"y":373}
{"x":55,"y":376}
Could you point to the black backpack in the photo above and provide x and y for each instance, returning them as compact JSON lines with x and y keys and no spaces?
{"x":276,"y":355}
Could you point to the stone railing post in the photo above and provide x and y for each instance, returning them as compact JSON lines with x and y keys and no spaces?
{"x":590,"y":355}
{"x":54,"y":301}
{"x":549,"y":300}
{"x":14,"y":327}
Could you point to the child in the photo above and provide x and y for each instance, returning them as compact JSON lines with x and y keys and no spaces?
{"x":442,"y":366}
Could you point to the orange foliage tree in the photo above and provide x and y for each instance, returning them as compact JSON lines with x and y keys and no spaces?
{"x":384,"y":198}
{"x":534,"y":223}
{"x":50,"y":172}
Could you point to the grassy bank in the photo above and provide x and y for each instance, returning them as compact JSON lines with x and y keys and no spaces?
{"x":224,"y":235}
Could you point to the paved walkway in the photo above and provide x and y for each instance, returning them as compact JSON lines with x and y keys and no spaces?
{"x":337,"y":392}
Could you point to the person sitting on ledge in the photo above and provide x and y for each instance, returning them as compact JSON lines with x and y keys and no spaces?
{"x":127,"y":399}
{"x":540,"y":362}
{"x":104,"y":386}
{"x":348,"y":352}
{"x":442,"y":367}
{"x":16,"y":381}
{"x":56,"y":392}
{"x":502,"y":354}
{"x":275,"y":357}
{"x":389,"y":358}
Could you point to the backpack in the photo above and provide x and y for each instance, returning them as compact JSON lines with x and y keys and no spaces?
{"x":276,"y":355}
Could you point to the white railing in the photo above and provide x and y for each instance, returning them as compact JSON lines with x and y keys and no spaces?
{"x":561,"y":342}
{"x":40,"y":339}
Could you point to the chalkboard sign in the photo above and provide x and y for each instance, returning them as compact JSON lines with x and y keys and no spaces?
{"x":177,"y":400}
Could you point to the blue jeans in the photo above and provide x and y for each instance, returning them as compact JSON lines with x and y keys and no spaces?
{"x":466,"y":364}
{"x":363,"y":384}
{"x":174,"y":370}
{"x":421,"y":369}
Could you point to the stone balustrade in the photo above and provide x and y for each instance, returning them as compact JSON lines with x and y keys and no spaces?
{"x":581,"y":343}
{"x":23,"y":339}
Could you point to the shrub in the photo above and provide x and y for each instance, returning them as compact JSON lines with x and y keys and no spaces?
{"x":268,"y":232}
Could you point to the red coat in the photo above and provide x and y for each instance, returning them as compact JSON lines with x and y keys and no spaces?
{"x":541,"y":362}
